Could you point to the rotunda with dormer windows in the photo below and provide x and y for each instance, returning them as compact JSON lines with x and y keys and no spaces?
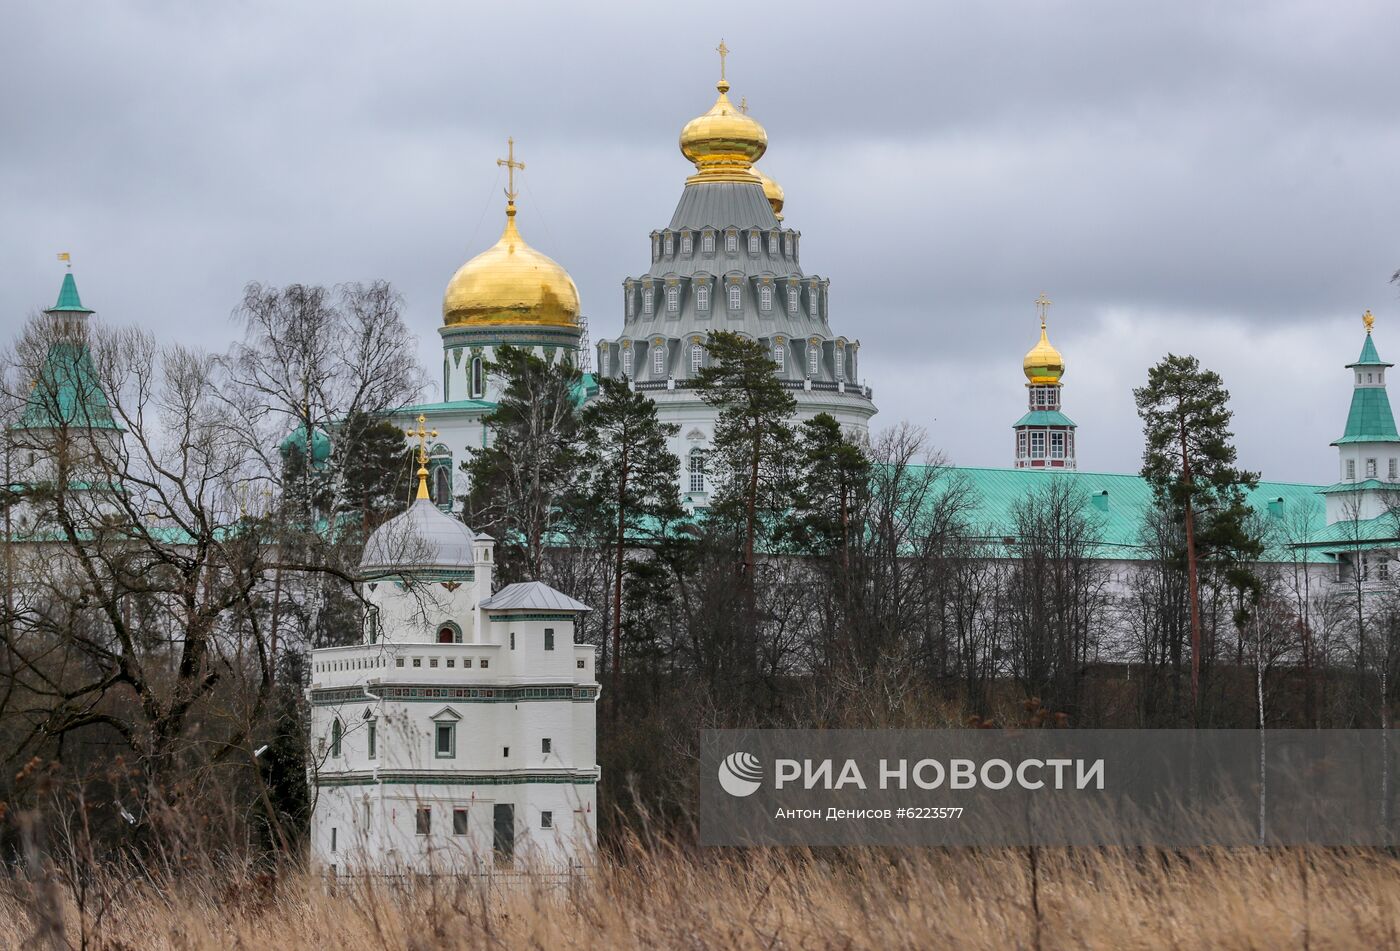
{"x":728,"y":261}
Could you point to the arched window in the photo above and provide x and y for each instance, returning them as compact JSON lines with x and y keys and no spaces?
{"x":753,"y":242}
{"x":814,"y":358}
{"x":449,"y":633}
{"x":697,"y":470}
{"x":778,"y":355}
{"x":687,"y":243}
{"x":707,"y":242}
{"x":765,"y":298}
{"x":337,"y":731}
{"x":646,"y":300}
{"x":658,"y":359}
{"x":697,"y":357}
{"x":731,"y":241}
{"x":478,"y":378}
{"x":792,"y":300}
{"x":442,"y":486}
{"x":627,"y":362}
{"x":673,"y":300}
{"x":735,"y":297}
{"x":702,"y":297}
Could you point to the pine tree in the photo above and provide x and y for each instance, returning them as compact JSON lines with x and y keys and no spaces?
{"x":522,"y":480}
{"x":630,"y":487}
{"x":1189,"y":460}
{"x":754,"y":442}
{"x":832,"y":488}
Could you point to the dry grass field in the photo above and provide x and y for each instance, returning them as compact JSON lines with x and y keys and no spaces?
{"x":669,"y":898}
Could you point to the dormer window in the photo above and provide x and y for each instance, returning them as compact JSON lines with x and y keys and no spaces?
{"x":731,"y":242}
{"x":646,"y":300}
{"x":707,"y":242}
{"x":773,"y":243}
{"x":702,"y":297}
{"x":627,"y":362}
{"x":753,"y":242}
{"x":787,"y":245}
{"x":840,"y":361}
{"x":816,"y":301}
{"x":736,"y":299}
{"x":687,"y":243}
{"x":697,"y":360}
{"x":670,"y":245}
{"x":604,"y":363}
{"x":655,"y":247}
{"x":792,"y":300}
{"x":673,"y":300}
{"x":779,"y":355}
{"x":765,"y":298}
{"x":814,"y":358}
{"x":629,"y":302}
{"x":658,"y":358}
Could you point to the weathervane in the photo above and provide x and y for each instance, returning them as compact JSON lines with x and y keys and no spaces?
{"x":422,"y":434}
{"x":66,"y":258}
{"x":1368,"y":320}
{"x":1042,"y":304}
{"x":511,"y":165}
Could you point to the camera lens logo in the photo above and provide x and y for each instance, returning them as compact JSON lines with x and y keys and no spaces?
{"x":740,"y":774}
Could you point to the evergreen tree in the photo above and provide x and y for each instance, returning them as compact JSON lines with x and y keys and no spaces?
{"x":1189,"y":460}
{"x":629,"y":491}
{"x":754,"y":442}
{"x":521,"y":481}
{"x":378,"y":469}
{"x":831,"y":491}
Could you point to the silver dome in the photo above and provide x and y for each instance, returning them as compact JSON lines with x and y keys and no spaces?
{"x":424,"y":537}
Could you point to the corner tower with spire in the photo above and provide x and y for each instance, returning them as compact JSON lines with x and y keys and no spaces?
{"x":1044,"y":435}
{"x":1369,"y":448}
{"x":728,"y":262}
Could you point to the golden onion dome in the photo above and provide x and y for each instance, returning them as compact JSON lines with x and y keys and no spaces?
{"x":1043,"y":364}
{"x":724,"y":142}
{"x":773,"y":192}
{"x":510,"y":284}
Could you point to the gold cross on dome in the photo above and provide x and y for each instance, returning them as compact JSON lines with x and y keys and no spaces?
{"x":1042,"y":304}
{"x":422,"y":434}
{"x":744,"y":105}
{"x":511,"y":165}
{"x":723,"y":51}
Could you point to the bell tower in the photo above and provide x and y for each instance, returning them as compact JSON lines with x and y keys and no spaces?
{"x":1044,"y":435}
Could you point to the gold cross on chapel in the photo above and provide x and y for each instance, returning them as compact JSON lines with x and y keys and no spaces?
{"x":723,"y":51}
{"x":422,"y":434}
{"x":511,"y":165}
{"x":1042,"y":304}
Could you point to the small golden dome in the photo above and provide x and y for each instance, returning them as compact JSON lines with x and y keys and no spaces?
{"x":773,"y":192}
{"x":723,"y":143}
{"x":1043,"y":364}
{"x":510,"y":284}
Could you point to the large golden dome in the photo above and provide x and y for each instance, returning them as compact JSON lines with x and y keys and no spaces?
{"x":773,"y":192}
{"x":510,"y":284}
{"x":723,"y":143}
{"x":1043,"y":364}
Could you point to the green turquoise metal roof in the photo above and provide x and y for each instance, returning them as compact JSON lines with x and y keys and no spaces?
{"x":1118,"y":502}
{"x":1044,"y":417}
{"x":1370,"y":418}
{"x":428,"y":409}
{"x":1360,"y":486}
{"x":68,"y":300}
{"x":296,"y":440}
{"x":1347,"y":533}
{"x":67,"y":392}
{"x":1369,"y":357}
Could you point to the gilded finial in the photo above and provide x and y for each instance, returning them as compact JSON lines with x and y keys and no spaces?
{"x":744,"y":104}
{"x":723,"y":51}
{"x":1042,"y":304}
{"x":511,"y":165}
{"x":1368,"y":320}
{"x":422,"y":434}
{"x":66,"y":258}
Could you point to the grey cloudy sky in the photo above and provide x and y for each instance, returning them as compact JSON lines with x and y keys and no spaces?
{"x":1212,"y":178}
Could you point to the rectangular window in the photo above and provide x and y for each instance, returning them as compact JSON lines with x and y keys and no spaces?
{"x":505,"y":752}
{"x":670,"y":245}
{"x":549,"y":638}
{"x":787,"y":244}
{"x":673,"y":300}
{"x":697,"y":473}
{"x":1370,"y":468}
{"x":580,"y":665}
{"x":423,"y":820}
{"x":702,"y":297}
{"x":546,"y":819}
{"x":446,"y":746}
{"x":398,"y":661}
{"x":1383,"y":569}
{"x":731,"y":241}
{"x":628,"y":299}
{"x":1057,"y":445}
{"x":485,"y":662}
{"x":753,"y":242}
{"x":432,"y":661}
{"x":512,"y":640}
{"x":658,"y":359}
{"x":697,"y":360}
{"x":655,"y":247}
{"x":778,"y":356}
{"x":466,"y":661}
{"x":840,"y":362}
{"x":816,"y":298}
{"x":459,"y":822}
{"x":546,"y":745}
{"x":417,"y":662}
{"x":1038,"y":445}
{"x":792,"y":300}
{"x":1020,"y":445}
{"x":451,"y":662}
{"x":604,"y":361}
{"x":765,"y":298}
{"x":627,"y":362}
{"x":686,"y":243}
{"x":773,"y":243}
{"x":735,"y":297}
{"x":371,"y":739}
{"x":1351,"y":470}
{"x":814,"y":358}
{"x":707,"y":242}
{"x":1391,"y":470}
{"x":646,"y":300}
{"x":333,"y":838}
